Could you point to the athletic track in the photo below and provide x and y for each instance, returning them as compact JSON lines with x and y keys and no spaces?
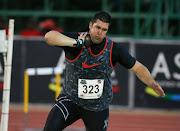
{"x":119,"y":120}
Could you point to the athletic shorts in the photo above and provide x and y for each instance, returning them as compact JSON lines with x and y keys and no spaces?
{"x":65,"y":112}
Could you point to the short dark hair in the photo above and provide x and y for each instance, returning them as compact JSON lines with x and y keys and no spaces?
{"x":103,"y":16}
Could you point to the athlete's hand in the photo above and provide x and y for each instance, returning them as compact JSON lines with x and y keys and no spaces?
{"x":158,"y":89}
{"x":82,"y":36}
{"x":86,"y":39}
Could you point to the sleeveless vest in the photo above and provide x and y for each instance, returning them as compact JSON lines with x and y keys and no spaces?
{"x":90,"y":66}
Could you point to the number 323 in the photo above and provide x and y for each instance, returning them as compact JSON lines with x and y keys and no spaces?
{"x":90,"y":89}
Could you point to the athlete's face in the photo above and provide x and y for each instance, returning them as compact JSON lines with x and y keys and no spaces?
{"x":98,"y":31}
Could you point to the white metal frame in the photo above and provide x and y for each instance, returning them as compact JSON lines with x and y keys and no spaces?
{"x":7,"y":52}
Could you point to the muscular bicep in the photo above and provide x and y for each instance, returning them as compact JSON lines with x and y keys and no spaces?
{"x":122,"y":56}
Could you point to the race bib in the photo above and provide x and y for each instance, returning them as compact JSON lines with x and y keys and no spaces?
{"x":90,"y":89}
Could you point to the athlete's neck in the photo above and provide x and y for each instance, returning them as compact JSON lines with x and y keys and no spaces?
{"x":97,"y":48}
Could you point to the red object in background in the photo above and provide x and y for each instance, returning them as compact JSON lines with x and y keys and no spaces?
{"x":30,"y":32}
{"x":48,"y":25}
{"x":58,"y":29}
{"x":3,"y":25}
{"x":116,"y":89}
{"x":1,"y":85}
{"x":31,"y":29}
{"x":7,"y":31}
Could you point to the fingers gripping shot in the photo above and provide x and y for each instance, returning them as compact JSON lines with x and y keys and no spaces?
{"x":90,"y":60}
{"x":85,"y":41}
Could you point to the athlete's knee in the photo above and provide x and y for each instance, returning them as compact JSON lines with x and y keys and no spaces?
{"x":99,"y":127}
{"x":55,"y":120}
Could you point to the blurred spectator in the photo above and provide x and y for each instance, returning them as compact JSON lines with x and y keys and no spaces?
{"x":3,"y":26}
{"x":31,"y":29}
{"x":48,"y":25}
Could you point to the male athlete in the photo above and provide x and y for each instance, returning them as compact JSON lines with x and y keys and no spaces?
{"x":87,"y":90}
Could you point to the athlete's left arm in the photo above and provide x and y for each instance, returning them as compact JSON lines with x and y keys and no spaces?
{"x":121,"y":55}
{"x":144,"y":75}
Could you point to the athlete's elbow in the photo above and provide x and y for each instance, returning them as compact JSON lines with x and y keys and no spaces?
{"x":49,"y":37}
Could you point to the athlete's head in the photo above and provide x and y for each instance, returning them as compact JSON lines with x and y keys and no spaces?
{"x":99,"y":25}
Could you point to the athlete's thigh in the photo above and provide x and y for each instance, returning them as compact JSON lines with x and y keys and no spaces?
{"x":61,"y":115}
{"x":96,"y":121}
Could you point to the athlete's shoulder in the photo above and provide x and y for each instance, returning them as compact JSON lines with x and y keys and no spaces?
{"x":118,"y":46}
{"x":115,"y":45}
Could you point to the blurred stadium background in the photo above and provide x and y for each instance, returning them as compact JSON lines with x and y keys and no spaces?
{"x":149,"y":29}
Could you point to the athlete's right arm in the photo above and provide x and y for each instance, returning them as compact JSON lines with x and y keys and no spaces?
{"x":58,"y":39}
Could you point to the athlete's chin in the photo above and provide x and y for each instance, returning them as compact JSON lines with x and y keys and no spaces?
{"x":97,"y":41}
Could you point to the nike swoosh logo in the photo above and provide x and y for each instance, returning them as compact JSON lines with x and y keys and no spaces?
{"x":84,"y":65}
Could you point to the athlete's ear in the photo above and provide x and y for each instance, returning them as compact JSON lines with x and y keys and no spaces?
{"x":90,"y":25}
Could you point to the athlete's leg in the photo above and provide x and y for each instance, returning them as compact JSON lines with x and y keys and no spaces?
{"x":63,"y":113}
{"x":95,"y":121}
